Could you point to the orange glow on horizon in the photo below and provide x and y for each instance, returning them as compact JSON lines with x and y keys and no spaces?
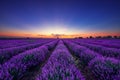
{"x":32,"y":35}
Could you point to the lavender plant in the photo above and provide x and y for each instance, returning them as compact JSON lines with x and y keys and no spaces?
{"x":60,"y":66}
{"x":18,"y":65}
{"x":108,"y":52}
{"x":6,"y":54}
{"x":105,"y":68}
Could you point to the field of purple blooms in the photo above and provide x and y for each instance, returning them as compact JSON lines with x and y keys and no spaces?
{"x":60,"y":59}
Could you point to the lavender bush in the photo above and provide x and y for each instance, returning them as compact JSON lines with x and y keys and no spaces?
{"x":60,"y":66}
{"x":6,"y":54}
{"x":90,"y":59}
{"x":105,"y":68}
{"x":84,"y":54}
{"x":18,"y":65}
{"x":108,"y":52}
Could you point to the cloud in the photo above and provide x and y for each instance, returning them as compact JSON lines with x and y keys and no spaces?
{"x":41,"y":35}
{"x":57,"y":35}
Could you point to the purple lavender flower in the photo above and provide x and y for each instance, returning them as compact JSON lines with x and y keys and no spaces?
{"x":18,"y":65}
{"x":60,"y":66}
{"x":105,"y":68}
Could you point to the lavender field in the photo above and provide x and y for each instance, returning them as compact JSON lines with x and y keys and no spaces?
{"x":60,"y":59}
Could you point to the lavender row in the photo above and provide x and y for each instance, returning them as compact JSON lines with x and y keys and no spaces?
{"x":15,"y":43}
{"x":18,"y":65}
{"x":6,"y":54}
{"x":60,"y":66}
{"x":84,"y":54}
{"x":107,"y":43}
{"x":110,"y":45}
{"x":103,"y":41}
{"x":103,"y":68}
{"x":12,"y":43}
{"x":108,"y":52}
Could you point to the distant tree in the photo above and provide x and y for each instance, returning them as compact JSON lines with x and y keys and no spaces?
{"x":75,"y":38}
{"x":98,"y":37}
{"x":80,"y":37}
{"x":115,"y":36}
{"x":104,"y":37}
{"x":90,"y":37}
{"x":57,"y":37}
{"x":28,"y":38}
{"x":119,"y":37}
{"x":109,"y":36}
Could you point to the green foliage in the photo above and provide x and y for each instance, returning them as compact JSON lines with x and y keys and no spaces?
{"x":28,"y":58}
{"x":1,"y":59}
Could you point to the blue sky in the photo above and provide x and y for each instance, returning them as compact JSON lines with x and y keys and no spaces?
{"x":69,"y":16}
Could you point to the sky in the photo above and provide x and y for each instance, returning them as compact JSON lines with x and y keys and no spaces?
{"x":65,"y":18}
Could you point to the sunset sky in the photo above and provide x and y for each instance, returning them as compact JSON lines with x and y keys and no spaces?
{"x":65,"y":18}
